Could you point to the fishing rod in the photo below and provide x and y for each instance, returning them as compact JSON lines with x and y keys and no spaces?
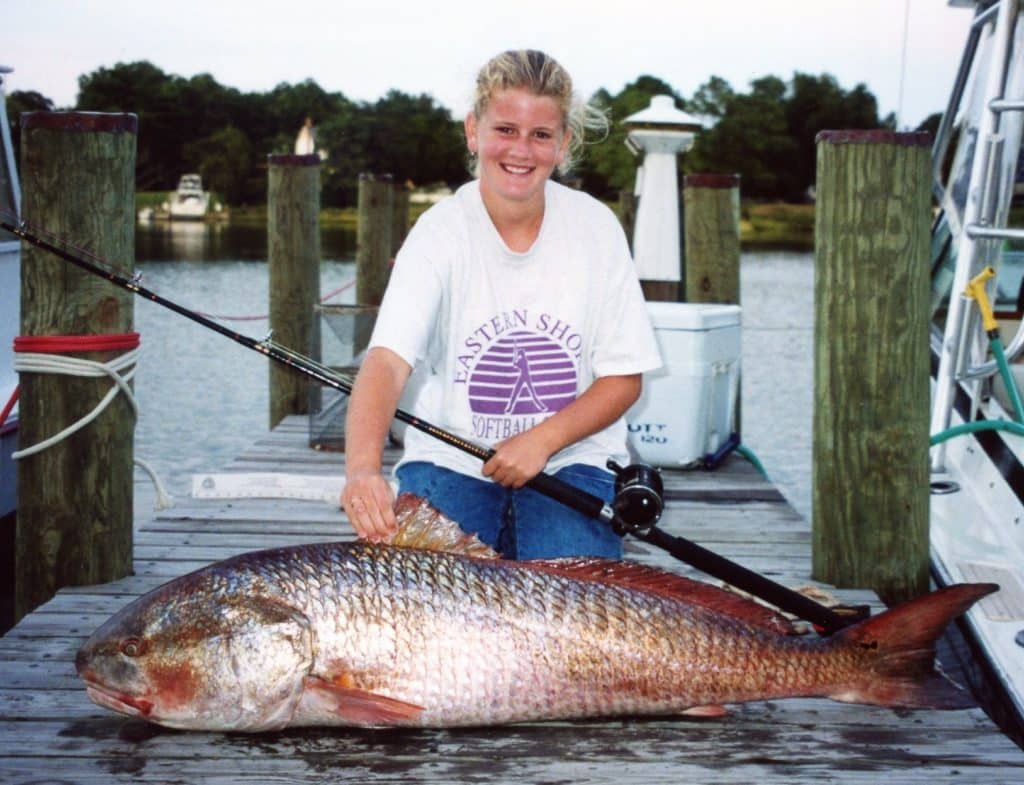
{"x":635,"y":510}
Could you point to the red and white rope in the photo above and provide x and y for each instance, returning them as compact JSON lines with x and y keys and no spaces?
{"x":44,"y":354}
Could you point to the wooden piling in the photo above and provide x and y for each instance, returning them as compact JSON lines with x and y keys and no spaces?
{"x":75,"y":498}
{"x":373,"y":237}
{"x":293,"y":246}
{"x":399,"y":217}
{"x":661,"y":291}
{"x":871,"y":365}
{"x":712,"y":238}
{"x":374,"y":254}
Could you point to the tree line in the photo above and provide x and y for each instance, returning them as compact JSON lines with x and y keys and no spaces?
{"x":766,"y":134}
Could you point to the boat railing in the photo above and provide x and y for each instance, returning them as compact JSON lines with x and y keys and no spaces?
{"x":979,"y":214}
{"x":944,"y":134}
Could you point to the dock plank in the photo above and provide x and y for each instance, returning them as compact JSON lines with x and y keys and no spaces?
{"x":742,"y":750}
{"x":54,"y":733}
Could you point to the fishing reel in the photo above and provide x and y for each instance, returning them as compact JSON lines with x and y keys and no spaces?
{"x":639,"y":497}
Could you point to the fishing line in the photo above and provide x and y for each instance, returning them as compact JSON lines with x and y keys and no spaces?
{"x":592,"y":506}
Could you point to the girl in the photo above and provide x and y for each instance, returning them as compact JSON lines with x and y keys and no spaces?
{"x":517,"y":301}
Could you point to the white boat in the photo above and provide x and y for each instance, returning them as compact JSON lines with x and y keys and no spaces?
{"x":977,"y":458}
{"x":10,"y":308}
{"x":189,"y":201}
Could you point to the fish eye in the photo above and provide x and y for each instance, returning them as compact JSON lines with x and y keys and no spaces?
{"x":131,"y":647}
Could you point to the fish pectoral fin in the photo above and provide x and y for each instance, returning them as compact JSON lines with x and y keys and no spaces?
{"x":422,"y":526}
{"x":706,"y":711}
{"x":340,"y":701}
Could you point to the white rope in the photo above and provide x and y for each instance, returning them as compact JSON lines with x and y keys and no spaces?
{"x":32,"y":362}
{"x":163,"y":498}
{"x":73,"y":366}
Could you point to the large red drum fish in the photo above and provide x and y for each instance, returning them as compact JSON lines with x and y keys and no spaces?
{"x":408,"y":635}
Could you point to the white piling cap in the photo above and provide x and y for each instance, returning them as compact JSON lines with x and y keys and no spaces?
{"x":662,"y":111}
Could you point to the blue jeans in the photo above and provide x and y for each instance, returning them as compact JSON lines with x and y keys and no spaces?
{"x":519,"y":524}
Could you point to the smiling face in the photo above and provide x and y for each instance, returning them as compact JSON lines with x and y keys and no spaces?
{"x":519,"y":139}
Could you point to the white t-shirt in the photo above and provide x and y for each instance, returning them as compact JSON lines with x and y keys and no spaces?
{"x":501,"y":340}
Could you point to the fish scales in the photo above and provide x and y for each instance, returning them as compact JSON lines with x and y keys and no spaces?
{"x":369,"y":634}
{"x":504,"y":644}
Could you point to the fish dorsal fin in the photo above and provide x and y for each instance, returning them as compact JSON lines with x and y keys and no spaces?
{"x":423,"y":526}
{"x":640,"y":577}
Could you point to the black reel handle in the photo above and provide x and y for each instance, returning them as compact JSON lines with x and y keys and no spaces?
{"x":639,"y":497}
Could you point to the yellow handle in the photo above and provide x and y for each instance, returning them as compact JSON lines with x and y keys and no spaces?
{"x":976,"y":291}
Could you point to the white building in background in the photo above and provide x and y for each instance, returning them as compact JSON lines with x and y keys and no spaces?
{"x":658,"y":133}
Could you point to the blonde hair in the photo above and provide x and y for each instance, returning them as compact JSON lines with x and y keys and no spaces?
{"x":542,"y":75}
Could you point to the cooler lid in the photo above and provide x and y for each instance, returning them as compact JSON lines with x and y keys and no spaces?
{"x":692,"y":316}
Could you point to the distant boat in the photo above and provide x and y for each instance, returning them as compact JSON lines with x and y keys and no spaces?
{"x":189,"y":201}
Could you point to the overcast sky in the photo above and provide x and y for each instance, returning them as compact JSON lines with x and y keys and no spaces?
{"x":363,"y":49}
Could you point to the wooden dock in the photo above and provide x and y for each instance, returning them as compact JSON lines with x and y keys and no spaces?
{"x":52,"y":733}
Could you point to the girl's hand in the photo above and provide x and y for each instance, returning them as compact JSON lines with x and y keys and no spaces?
{"x":518,"y":460}
{"x":369,"y":502}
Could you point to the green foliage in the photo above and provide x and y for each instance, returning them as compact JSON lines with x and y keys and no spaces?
{"x":199,"y":125}
{"x":751,"y":138}
{"x":409,"y":137}
{"x":223,"y":159}
{"x":608,"y":166}
{"x":145,"y":90}
{"x":819,"y":103}
{"x":153,"y":200}
{"x":766,"y":135}
{"x":777,"y":225}
{"x":931,"y":124}
{"x":712,"y":98}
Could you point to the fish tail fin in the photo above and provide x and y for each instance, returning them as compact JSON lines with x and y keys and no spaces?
{"x":901,"y":641}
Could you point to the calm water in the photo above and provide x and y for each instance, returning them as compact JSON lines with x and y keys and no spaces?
{"x":777,"y":294}
{"x":204,"y":398}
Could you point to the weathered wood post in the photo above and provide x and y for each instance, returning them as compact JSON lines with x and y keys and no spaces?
{"x":373,"y":237}
{"x":293,"y":246}
{"x":399,"y":217}
{"x":870,"y":452}
{"x":711,"y":244}
{"x":75,"y":497}
{"x":664,"y":291}
{"x":374,"y":231}
{"x":712,"y":238}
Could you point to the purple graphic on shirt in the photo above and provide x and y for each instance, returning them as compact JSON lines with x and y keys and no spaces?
{"x":522,"y":373}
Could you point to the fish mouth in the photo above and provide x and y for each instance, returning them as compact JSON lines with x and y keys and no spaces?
{"x":118,"y":701}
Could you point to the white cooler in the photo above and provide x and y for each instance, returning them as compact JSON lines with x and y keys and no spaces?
{"x":688,"y":406}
